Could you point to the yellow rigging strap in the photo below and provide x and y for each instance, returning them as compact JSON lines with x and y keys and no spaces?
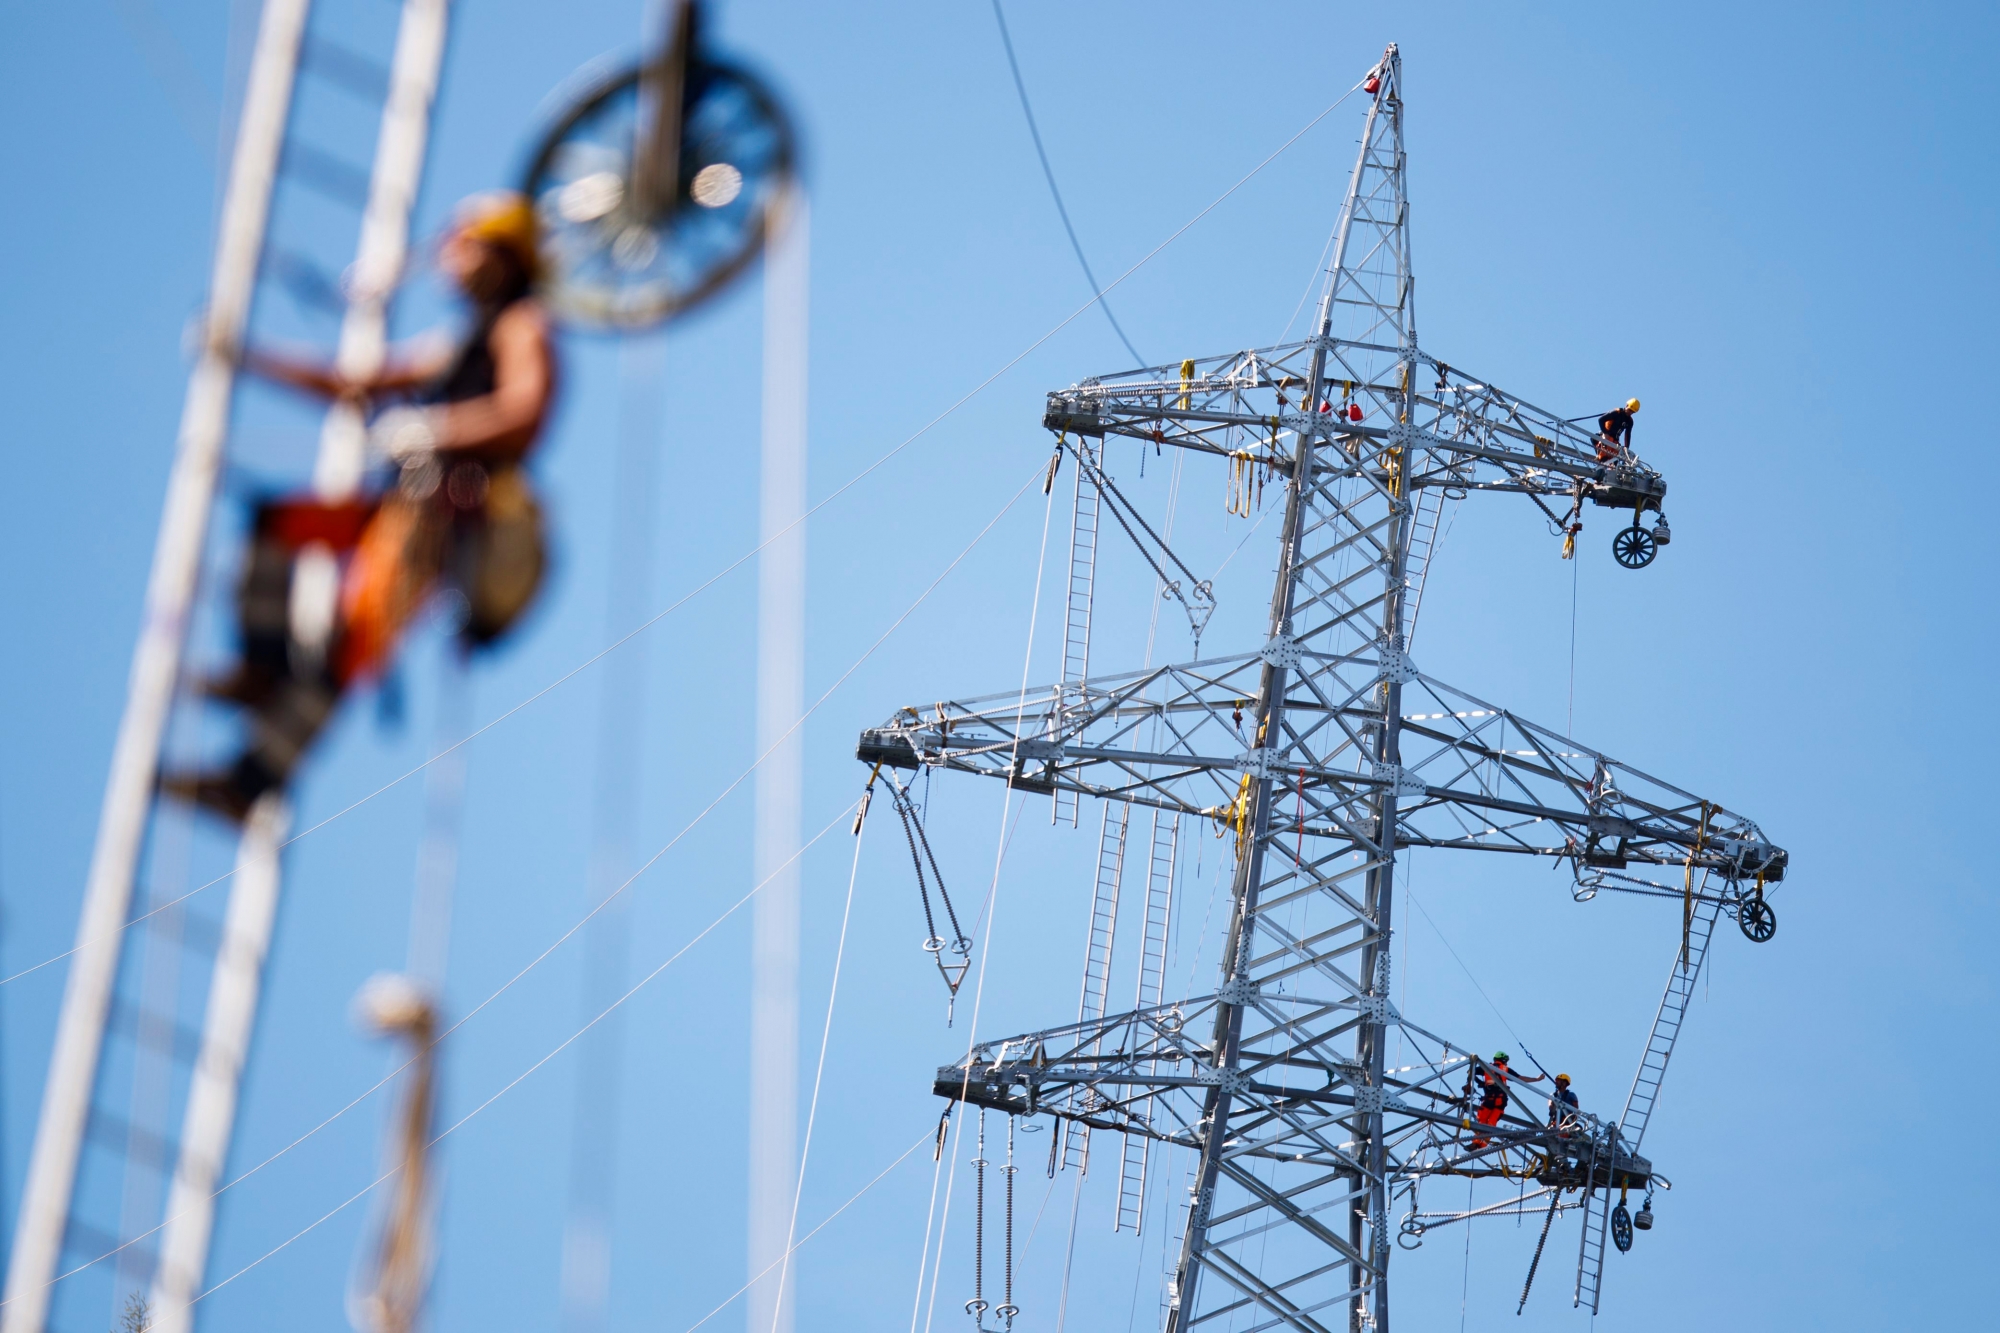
{"x":1246,"y":486}
{"x":1687,"y":904}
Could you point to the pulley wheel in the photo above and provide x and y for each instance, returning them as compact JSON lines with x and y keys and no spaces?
{"x":1621,"y":1229}
{"x":1634,"y":547}
{"x":1757,"y":919}
{"x":616,"y":260}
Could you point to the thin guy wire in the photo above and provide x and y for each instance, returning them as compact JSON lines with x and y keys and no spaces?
{"x":524,"y":1074}
{"x":992,"y":897}
{"x":922,"y":1139}
{"x":390,"y":1077}
{"x":819,"y":1073}
{"x":937,"y":1171}
{"x":1468,"y":972}
{"x":1569,"y":725}
{"x":1048,"y":174}
{"x":1069,"y":1249}
{"x":1465,"y":1279}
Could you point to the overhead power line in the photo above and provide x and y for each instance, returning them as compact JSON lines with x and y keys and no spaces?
{"x":1049,"y":175}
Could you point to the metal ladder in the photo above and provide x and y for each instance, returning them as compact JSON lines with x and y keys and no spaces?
{"x":127,"y":1039}
{"x":1417,"y":563}
{"x":1590,"y":1248}
{"x":1084,"y":517}
{"x":1097,"y":948}
{"x":1645,"y":1094}
{"x":1674,"y":1002}
{"x":1152,"y":987}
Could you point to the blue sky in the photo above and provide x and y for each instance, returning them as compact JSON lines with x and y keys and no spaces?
{"x":1774,"y":224}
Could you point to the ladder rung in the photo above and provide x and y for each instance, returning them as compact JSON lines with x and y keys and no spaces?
{"x":344,"y":68}
{"x":141,"y":1026}
{"x":82,"y":1238}
{"x":134,"y":1143}
{"x":332,"y":176}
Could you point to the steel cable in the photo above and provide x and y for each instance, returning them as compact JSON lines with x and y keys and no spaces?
{"x":1049,"y":175}
{"x":819,"y":1074}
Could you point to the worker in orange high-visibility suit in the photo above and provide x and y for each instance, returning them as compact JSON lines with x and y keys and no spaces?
{"x":1490,"y":1082}
{"x":456,"y":511}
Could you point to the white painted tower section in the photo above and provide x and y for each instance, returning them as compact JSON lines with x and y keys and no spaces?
{"x":128,"y":793}
{"x":230,"y":1021}
{"x":774,"y":948}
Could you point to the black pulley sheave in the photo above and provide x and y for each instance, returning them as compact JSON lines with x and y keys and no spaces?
{"x":1634,"y":547}
{"x":657,"y":186}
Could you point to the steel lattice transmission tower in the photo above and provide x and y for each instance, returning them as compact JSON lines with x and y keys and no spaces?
{"x":1329,"y":750}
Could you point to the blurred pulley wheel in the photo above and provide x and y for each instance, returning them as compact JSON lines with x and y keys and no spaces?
{"x":1634,"y":547}
{"x":640,"y":223}
{"x":1757,"y":920}
{"x":1621,"y":1228}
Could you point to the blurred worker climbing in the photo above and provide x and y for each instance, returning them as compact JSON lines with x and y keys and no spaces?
{"x":452,"y":508}
{"x":1562,"y":1106}
{"x":1615,"y":431}
{"x":1489,"y":1081}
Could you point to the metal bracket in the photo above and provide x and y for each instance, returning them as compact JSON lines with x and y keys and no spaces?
{"x":1397,"y":668}
{"x":1259,"y":763}
{"x":1227,"y":1079}
{"x":1305,"y":423}
{"x":1282,"y":651}
{"x":1398,"y":779}
{"x":1237,"y":990}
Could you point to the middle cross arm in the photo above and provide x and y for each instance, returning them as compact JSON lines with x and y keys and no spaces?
{"x":1473,"y":775}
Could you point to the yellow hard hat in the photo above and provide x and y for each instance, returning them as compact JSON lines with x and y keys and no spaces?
{"x":505,"y":220}
{"x":1631,"y":404}
{"x":1562,"y":1078}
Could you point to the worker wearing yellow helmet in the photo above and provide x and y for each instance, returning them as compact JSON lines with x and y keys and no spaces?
{"x":1562,"y":1106}
{"x":1615,"y":431}
{"x":452,"y":423}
